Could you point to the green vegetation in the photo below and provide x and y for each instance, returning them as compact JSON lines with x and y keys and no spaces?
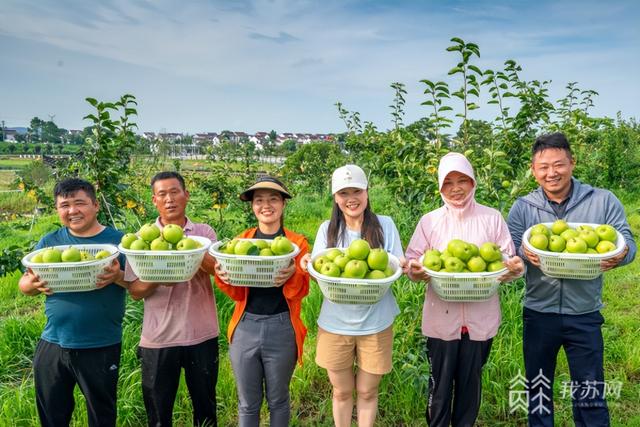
{"x":403,"y":167}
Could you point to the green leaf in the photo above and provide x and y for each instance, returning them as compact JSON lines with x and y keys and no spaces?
{"x":427,"y":103}
{"x":457,"y":40}
{"x":473,"y":91}
{"x":455,"y":70}
{"x":476,"y":69}
{"x":445,"y":108}
{"x":494,"y":101}
{"x":92,"y":101}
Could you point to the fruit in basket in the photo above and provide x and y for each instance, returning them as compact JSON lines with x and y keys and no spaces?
{"x":559,"y":226}
{"x":333,"y":253}
{"x":490,"y":252}
{"x":102,"y":254}
{"x":476,"y":264}
{"x":378,"y":259}
{"x":434,"y":252}
{"x":583,"y":227}
{"x":540,"y":229}
{"x":51,"y":255}
{"x":539,"y":241}
{"x":71,"y":254}
{"x":389,"y":271}
{"x":459,"y":249}
{"x":445,"y":254}
{"x":229,"y":247}
{"x":281,"y":246}
{"x":495,"y":266}
{"x":592,"y":251}
{"x":569,"y":234}
{"x":329,"y":269}
{"x":475,"y":250}
{"x":375,"y":275}
{"x":149,"y":232}
{"x":172,"y":233}
{"x":261,"y":244}
{"x":359,"y":249}
{"x":590,"y":237}
{"x":605,"y":246}
{"x":37,"y":258}
{"x":341,"y":261}
{"x":139,"y":245}
{"x":320,"y":261}
{"x":607,"y":232}
{"x":432,"y":261}
{"x":576,"y":245}
{"x":266,"y":252}
{"x":356,"y":268}
{"x":453,"y":265}
{"x":187,"y":244}
{"x":245,"y":247}
{"x":160,"y":244}
{"x":556,"y":243}
{"x":128,"y":239}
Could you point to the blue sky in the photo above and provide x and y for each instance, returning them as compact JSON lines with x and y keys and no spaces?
{"x":278,"y":64}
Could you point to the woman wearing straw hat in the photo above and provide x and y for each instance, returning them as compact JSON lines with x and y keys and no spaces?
{"x":359,"y":333}
{"x":266,"y":333}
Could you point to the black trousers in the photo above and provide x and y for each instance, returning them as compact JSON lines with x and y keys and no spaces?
{"x":56,"y":372}
{"x":581,"y":337}
{"x":161,"y":376}
{"x":456,"y":375}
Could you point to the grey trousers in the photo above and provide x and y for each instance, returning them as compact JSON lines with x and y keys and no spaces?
{"x":263,"y":355}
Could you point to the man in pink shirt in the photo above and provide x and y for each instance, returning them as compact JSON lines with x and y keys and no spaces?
{"x":180,"y":325}
{"x":459,"y":334}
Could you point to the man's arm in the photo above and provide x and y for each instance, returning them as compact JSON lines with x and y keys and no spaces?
{"x":30,"y":284}
{"x":139,"y":289}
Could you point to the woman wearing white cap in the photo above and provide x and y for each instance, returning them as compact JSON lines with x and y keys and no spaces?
{"x":360,"y":333}
{"x":459,"y":334}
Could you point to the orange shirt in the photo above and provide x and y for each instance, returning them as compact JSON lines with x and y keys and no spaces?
{"x":296,"y":288}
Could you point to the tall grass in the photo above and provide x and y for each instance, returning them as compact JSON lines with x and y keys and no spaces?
{"x":402,"y":392}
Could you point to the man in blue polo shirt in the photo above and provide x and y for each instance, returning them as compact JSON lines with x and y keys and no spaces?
{"x":80,"y":343}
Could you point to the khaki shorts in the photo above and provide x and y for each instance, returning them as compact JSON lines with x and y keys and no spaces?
{"x":372,"y":353}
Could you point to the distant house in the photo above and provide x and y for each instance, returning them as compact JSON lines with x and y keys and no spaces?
{"x":208,"y":137}
{"x":149,"y":135}
{"x":10,"y":135}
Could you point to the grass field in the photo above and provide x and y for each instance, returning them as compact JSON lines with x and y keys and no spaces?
{"x":402,"y":392}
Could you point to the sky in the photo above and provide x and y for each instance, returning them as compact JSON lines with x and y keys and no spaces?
{"x":258,"y":65}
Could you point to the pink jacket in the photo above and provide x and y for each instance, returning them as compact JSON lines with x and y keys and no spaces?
{"x":474,"y":223}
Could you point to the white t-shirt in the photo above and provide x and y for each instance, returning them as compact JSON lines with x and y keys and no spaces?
{"x":360,"y":319}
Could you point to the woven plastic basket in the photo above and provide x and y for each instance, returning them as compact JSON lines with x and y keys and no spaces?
{"x":464,"y":287}
{"x":564,"y":265}
{"x":252,"y":270}
{"x":72,"y":277}
{"x":167,"y":266}
{"x":341,"y":290}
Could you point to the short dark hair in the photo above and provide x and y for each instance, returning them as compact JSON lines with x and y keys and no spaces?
{"x":70,"y":186}
{"x":551,"y":140}
{"x":161,"y":176}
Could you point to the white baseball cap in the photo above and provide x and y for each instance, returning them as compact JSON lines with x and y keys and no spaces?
{"x":348,"y":176}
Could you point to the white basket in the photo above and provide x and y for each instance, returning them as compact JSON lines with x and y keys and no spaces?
{"x":464,"y":287}
{"x":167,"y":266}
{"x":341,"y":290}
{"x":252,"y":270}
{"x":562,"y":265}
{"x":72,"y":277}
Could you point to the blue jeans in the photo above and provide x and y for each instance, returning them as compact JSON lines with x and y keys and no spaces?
{"x":263,"y":355}
{"x":581,"y":337}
